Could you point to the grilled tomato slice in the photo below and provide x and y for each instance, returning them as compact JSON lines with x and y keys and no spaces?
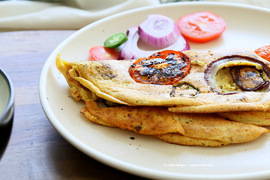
{"x":264,"y":52}
{"x":164,"y":68}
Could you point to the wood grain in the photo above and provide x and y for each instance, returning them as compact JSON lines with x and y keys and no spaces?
{"x":36,"y":150}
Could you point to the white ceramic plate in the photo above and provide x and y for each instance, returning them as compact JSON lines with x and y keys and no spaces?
{"x":248,"y":27}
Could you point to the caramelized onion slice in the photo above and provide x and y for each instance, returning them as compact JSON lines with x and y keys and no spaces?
{"x":246,"y":72}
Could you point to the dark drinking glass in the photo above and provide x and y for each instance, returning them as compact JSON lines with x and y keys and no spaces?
{"x":6,"y":110}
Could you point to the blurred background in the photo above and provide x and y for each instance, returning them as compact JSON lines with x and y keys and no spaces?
{"x":74,"y":14}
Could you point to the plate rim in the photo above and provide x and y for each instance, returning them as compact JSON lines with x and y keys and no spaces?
{"x":11,"y":99}
{"x":113,"y":162}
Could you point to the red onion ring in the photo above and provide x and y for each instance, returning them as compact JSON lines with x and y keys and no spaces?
{"x":130,"y":49}
{"x":158,"y":31}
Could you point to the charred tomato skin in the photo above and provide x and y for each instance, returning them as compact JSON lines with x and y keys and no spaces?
{"x":163,"y":68}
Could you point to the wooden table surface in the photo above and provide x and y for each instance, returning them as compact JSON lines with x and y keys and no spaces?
{"x":36,"y":150}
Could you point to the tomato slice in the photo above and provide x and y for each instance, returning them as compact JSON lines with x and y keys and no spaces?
{"x":264,"y":52}
{"x":99,"y":53}
{"x":201,"y":27}
{"x":164,"y":68}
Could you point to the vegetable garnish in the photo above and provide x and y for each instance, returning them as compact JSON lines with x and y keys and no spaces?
{"x":158,"y":31}
{"x":248,"y":78}
{"x":201,"y":26}
{"x":264,"y":52}
{"x":164,"y":68}
{"x":248,"y":73}
{"x":115,"y":40}
{"x":99,"y":53}
{"x":130,"y":49}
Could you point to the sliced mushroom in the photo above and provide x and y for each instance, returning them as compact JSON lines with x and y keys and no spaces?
{"x":248,"y":73}
{"x":248,"y":78}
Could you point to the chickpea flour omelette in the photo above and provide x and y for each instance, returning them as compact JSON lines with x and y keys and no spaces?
{"x":185,"y":98}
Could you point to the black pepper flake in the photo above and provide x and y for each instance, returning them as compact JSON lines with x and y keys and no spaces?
{"x":132,"y":138}
{"x":138,"y":128}
{"x":172,"y":93}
